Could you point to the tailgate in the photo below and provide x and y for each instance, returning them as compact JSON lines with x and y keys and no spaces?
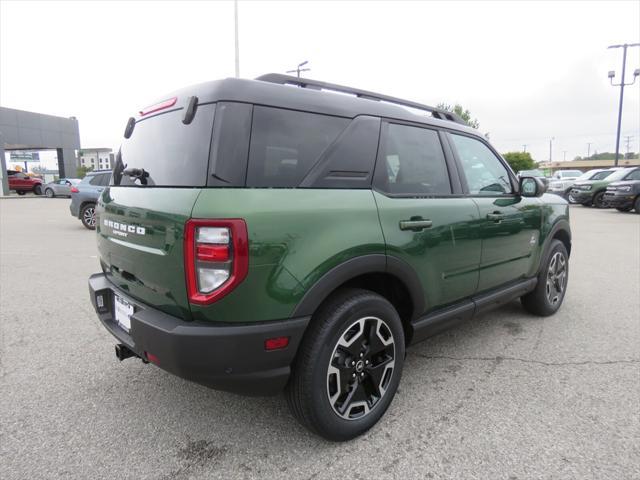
{"x":140,"y":241}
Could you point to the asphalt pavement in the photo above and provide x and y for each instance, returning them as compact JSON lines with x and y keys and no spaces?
{"x":506,"y":396}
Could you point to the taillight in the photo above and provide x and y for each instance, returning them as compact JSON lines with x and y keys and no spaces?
{"x":74,"y":190}
{"x":216,"y":258}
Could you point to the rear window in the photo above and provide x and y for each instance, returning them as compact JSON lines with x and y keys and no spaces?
{"x":286,"y":144}
{"x":171,"y":153}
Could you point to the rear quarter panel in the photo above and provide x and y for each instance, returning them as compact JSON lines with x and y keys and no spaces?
{"x":295,"y":237}
{"x":555,"y":211}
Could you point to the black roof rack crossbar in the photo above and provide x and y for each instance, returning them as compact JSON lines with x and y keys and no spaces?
{"x":318,"y":85}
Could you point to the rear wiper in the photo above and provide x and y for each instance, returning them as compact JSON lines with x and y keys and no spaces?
{"x":137,"y":173}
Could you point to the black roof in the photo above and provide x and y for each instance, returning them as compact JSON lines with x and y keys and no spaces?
{"x":277,"y":90}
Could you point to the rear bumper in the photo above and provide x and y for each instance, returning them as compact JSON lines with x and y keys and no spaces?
{"x":619,"y":200}
{"x":224,"y":357}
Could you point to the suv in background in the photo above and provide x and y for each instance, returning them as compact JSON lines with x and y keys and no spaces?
{"x":591,"y":192}
{"x":303,"y":239}
{"x":84,"y":196}
{"x":22,"y":183}
{"x":562,"y":181}
{"x":624,"y":195}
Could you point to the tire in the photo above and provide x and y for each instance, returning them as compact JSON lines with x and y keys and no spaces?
{"x":37,"y":189}
{"x":21,"y":192}
{"x":49,"y":193}
{"x":571,"y":198}
{"x":636,"y":205}
{"x":348,"y":366}
{"x":598,"y":200}
{"x":553,"y":277}
{"x":623,"y":209}
{"x":88,"y":216}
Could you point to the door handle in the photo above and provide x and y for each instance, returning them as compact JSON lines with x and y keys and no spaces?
{"x":415,"y":224}
{"x":495,"y":216}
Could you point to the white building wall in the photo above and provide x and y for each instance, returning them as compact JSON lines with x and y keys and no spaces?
{"x":97,"y":160}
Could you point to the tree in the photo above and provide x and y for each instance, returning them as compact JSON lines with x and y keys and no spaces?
{"x":82,"y":171}
{"x":519,"y":161}
{"x":461,"y":112}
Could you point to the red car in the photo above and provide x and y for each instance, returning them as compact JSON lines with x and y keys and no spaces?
{"x":23,"y":183}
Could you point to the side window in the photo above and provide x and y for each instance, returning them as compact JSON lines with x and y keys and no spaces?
{"x":484,"y":172}
{"x":99,"y":180}
{"x":285,"y":145}
{"x":413,"y":162}
{"x":635,"y":175}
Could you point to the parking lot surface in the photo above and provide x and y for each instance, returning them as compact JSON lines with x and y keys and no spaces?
{"x":506,"y":396}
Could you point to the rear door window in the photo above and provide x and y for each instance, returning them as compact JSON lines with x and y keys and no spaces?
{"x":286,"y":144}
{"x":170,"y":152}
{"x":413,"y":162}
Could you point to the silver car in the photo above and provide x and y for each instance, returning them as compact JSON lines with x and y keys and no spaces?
{"x":60,"y":187}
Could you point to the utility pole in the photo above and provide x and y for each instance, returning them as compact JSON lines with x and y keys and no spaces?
{"x":589,"y":149}
{"x":298,"y":69}
{"x":235,"y":14}
{"x":524,"y":148}
{"x":612,"y":74}
{"x":564,"y":155}
{"x":628,"y":141}
{"x":551,"y":148}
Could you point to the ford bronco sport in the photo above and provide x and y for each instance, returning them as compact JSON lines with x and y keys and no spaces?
{"x":270,"y":234}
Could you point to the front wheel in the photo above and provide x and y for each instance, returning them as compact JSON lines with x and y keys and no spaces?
{"x":21,"y":192}
{"x":88,"y":216}
{"x":37,"y":190}
{"x":549,"y":293}
{"x":349,"y":365}
{"x":598,"y":200}
{"x":49,"y":193}
{"x":636,"y":205}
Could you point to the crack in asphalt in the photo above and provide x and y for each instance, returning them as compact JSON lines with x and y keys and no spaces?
{"x":525,"y":360}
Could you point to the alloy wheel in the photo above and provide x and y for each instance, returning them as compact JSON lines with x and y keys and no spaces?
{"x":556,"y":278}
{"x":360,"y":368}
{"x":89,"y":216}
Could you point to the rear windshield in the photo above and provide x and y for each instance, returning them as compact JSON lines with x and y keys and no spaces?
{"x":171,"y":153}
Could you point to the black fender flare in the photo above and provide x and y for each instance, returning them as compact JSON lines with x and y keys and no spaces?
{"x":560,"y":225}
{"x":355,"y":267}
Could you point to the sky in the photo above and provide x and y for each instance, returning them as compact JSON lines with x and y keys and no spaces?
{"x":528,"y":71}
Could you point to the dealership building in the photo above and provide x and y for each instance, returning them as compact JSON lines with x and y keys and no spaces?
{"x":30,"y":131}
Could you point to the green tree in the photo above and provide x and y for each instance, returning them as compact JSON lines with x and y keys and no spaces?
{"x":461,"y":112}
{"x":82,"y":171}
{"x":519,"y":161}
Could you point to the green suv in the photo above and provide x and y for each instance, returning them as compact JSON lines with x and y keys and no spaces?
{"x":272,"y":234}
{"x":592,"y":192}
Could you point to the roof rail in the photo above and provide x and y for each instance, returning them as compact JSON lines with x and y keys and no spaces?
{"x":318,"y":85}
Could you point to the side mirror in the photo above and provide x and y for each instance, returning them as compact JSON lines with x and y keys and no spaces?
{"x":531,"y":187}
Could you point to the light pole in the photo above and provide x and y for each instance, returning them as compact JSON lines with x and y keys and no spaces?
{"x":589,"y":149}
{"x":524,"y":148}
{"x":612,"y":74}
{"x":551,"y":147}
{"x":564,"y":155}
{"x":298,"y":69}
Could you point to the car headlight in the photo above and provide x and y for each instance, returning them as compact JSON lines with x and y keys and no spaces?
{"x":585,"y":187}
{"x":626,"y":188}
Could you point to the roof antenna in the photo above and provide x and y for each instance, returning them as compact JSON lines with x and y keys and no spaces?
{"x":298,"y":69}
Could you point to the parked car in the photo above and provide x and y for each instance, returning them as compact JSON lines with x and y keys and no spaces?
{"x":305,"y":238}
{"x":22,"y":183}
{"x":624,"y":195}
{"x":60,"y":187}
{"x":562,"y":181}
{"x":84,"y":196}
{"x":591,"y":192}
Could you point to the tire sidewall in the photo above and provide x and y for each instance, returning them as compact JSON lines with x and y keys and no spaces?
{"x":598,"y":200}
{"x":49,"y":193}
{"x":556,"y":246}
{"x":37,"y":189}
{"x":374,"y":306}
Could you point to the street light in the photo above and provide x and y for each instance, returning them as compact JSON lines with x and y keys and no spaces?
{"x":612,"y":75}
{"x":551,"y":147}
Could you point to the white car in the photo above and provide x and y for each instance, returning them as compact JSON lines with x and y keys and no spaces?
{"x":562,"y":181}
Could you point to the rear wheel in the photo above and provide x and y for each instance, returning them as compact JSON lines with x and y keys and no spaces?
{"x":49,"y":193}
{"x":21,"y":192}
{"x":623,"y":209}
{"x":549,"y":293}
{"x":349,"y":365}
{"x":598,"y":200}
{"x":88,"y":216}
{"x":37,"y":189}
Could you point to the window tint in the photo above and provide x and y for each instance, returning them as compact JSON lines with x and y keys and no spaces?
{"x":96,"y":180}
{"x":484,"y":172}
{"x":635,"y":175}
{"x":602,"y":175}
{"x":413,"y":162}
{"x":285,"y":145}
{"x":170,"y":152}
